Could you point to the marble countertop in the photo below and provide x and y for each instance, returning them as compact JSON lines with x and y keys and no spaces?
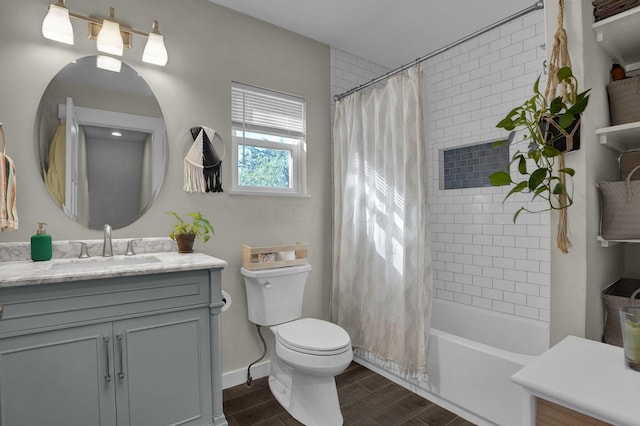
{"x":586,"y":376}
{"x":154,"y":258}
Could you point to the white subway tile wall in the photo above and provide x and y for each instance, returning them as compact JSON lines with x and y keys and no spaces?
{"x":480,"y":257}
{"x":349,"y":71}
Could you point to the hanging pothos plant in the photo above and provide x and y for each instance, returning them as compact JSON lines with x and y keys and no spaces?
{"x":549,"y":129}
{"x":551,"y":124}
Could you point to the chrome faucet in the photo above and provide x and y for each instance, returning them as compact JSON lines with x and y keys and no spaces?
{"x":107,"y":249}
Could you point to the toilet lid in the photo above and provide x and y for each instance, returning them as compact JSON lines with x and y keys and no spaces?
{"x":313,"y":336}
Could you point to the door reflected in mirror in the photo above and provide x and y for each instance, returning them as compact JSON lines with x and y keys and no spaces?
{"x":101,"y":143}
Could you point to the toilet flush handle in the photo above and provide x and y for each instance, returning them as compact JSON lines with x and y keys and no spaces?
{"x":267,"y":284}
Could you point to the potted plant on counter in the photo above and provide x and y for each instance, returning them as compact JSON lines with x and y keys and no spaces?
{"x":185,"y":233}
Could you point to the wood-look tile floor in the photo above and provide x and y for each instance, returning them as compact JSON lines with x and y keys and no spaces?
{"x":366,"y":398}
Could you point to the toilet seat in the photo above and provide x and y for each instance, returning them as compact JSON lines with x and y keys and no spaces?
{"x":314,"y":337}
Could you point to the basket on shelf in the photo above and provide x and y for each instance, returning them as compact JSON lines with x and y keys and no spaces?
{"x":274,"y":256}
{"x":603,"y":9}
{"x":620,"y":204}
{"x":620,"y":294}
{"x":624,"y":100}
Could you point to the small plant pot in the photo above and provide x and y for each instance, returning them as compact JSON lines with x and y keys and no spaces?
{"x":185,"y":242}
{"x":559,"y":137}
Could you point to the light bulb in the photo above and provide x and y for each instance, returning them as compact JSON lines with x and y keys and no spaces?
{"x":109,"y":38}
{"x":155,"y":51}
{"x":57,"y":25}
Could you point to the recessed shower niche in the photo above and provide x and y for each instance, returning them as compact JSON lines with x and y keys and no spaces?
{"x":101,"y":143}
{"x":470,"y":166}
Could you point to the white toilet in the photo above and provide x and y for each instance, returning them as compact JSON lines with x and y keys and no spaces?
{"x":306,"y":353}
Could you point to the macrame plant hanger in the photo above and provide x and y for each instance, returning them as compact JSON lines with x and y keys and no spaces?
{"x":560,"y":59}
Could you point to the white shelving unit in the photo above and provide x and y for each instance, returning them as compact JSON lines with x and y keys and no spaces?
{"x":620,"y":138}
{"x":611,"y":243}
{"x":619,"y":37}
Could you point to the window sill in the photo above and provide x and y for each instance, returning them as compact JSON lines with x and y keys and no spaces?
{"x":269,"y":194}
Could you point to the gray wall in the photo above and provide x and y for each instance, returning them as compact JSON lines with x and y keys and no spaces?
{"x":114,"y":178}
{"x":209,"y":47}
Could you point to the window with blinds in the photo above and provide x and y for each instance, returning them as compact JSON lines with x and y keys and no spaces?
{"x":268,"y":134}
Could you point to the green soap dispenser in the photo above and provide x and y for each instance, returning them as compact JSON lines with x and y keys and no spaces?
{"x":41,"y":248}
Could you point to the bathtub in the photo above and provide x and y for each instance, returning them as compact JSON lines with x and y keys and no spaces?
{"x":473,"y":353}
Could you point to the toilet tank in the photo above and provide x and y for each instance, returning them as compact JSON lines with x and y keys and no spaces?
{"x":274,"y":296}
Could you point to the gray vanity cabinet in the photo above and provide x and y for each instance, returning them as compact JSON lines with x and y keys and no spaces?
{"x":56,"y":378}
{"x":134,"y":351}
{"x":161,"y":375}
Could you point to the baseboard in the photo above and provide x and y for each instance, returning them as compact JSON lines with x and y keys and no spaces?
{"x":238,"y":377}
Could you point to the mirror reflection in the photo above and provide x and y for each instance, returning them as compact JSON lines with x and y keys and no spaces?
{"x":101,"y":143}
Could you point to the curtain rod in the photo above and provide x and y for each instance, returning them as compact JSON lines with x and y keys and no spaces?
{"x":537,"y":6}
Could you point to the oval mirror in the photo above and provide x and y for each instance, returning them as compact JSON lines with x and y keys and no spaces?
{"x":101,"y":142}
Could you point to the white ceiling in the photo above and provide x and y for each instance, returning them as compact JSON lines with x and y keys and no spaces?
{"x":386,"y":32}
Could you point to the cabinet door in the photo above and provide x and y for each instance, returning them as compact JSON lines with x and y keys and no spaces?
{"x":58,"y":378}
{"x":163,"y":374}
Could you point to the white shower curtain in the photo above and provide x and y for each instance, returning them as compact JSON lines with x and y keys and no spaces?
{"x":382,"y":265}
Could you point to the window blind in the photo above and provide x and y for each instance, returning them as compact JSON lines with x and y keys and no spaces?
{"x":262,"y":110}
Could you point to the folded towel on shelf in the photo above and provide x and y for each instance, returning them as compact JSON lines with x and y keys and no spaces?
{"x":603,"y":9}
{"x":8,"y":208}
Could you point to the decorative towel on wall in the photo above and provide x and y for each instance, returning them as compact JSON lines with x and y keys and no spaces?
{"x":8,"y":209}
{"x":203,"y":164}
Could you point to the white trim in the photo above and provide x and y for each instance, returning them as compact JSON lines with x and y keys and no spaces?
{"x":238,"y":377}
{"x":270,"y":194}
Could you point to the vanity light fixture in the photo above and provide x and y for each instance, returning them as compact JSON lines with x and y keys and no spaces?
{"x":111,"y":37}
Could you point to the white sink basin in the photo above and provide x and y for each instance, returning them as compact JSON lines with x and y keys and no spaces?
{"x":101,"y":263}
